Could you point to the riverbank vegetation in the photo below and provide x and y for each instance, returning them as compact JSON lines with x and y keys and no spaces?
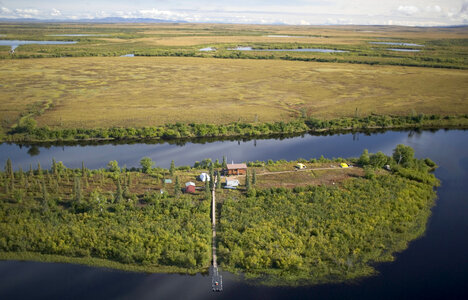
{"x":27,"y":131}
{"x":328,"y":233}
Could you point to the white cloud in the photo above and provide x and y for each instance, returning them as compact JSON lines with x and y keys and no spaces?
{"x":408,"y":10}
{"x":5,"y":10}
{"x":55,"y":12}
{"x":26,"y":13}
{"x":433,"y":9}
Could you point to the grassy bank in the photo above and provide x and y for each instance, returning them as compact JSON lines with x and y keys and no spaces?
{"x":27,"y":130}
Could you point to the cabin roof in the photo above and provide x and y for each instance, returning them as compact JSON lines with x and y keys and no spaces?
{"x":236,"y":166}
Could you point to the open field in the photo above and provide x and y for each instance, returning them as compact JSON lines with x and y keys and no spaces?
{"x":139,"y":91}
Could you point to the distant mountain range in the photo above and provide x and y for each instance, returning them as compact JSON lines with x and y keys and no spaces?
{"x":102,"y":20}
{"x":150,"y":20}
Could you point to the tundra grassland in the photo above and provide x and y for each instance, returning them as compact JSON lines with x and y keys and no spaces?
{"x":96,"y":92}
{"x":441,"y":47}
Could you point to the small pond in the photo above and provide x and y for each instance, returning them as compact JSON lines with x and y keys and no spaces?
{"x":15,"y":43}
{"x":78,"y":34}
{"x":404,"y":50}
{"x":289,"y":50}
{"x":396,"y":44}
{"x":286,"y":36}
{"x":207,"y":49}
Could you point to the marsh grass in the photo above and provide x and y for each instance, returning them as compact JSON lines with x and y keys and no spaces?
{"x":135,"y":92}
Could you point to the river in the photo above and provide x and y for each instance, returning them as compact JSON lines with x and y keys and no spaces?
{"x":433,"y":267}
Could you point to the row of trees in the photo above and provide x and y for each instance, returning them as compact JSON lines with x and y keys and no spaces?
{"x":27,"y":129}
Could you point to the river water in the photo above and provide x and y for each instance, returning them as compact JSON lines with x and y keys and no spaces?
{"x":433,"y":267}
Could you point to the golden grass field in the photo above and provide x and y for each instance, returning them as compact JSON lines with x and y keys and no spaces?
{"x":141,"y":91}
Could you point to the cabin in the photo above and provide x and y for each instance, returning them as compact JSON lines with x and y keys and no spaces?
{"x":236,"y":169}
{"x":190,"y":189}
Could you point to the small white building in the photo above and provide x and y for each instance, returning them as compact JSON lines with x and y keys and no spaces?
{"x":204,"y":177}
{"x":232,"y":182}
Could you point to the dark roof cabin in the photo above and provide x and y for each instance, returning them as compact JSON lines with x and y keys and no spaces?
{"x":236,"y":169}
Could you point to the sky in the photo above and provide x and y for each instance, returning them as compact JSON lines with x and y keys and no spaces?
{"x":293,"y":12}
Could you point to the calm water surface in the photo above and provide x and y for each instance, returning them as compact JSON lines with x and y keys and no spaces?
{"x":433,"y":267}
{"x":396,"y":44}
{"x":289,"y":50}
{"x":15,"y":43}
{"x":403,"y":50}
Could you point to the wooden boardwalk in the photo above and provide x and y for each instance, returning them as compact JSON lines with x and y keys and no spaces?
{"x":216,"y":278}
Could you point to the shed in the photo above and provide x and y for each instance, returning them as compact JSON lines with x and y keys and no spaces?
{"x":232,"y":182}
{"x":344,"y":165}
{"x":190,"y":189}
{"x":236,"y":169}
{"x":167,"y":180}
{"x":189,"y":184}
{"x":204,"y":177}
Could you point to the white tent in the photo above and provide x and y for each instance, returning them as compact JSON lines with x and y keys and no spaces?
{"x":204,"y":177}
{"x":232,"y":182}
{"x":189,"y":183}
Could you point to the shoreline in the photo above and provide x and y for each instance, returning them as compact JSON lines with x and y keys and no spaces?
{"x":98,"y":263}
{"x":179,"y":132}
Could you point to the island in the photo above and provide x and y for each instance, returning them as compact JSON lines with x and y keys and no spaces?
{"x":289,"y":223}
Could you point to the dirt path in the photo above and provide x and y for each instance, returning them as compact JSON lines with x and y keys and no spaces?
{"x":292,"y":171}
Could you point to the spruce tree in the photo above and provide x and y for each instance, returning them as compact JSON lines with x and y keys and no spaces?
{"x":177,"y":186}
{"x":9,"y":168}
{"x":207,"y":190}
{"x":77,"y":190}
{"x":20,"y":175}
{"x":118,"y":192}
{"x":224,"y":162}
{"x":54,"y":167}
{"x":247,"y":181}
{"x":7,"y":185}
{"x":45,"y":197}
{"x":212,"y":180}
{"x":211,"y":168}
{"x":218,"y":181}
{"x":254,"y":177}
{"x":39,"y":170}
{"x":31,"y":172}
{"x":172,"y":168}
{"x":83,"y":169}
